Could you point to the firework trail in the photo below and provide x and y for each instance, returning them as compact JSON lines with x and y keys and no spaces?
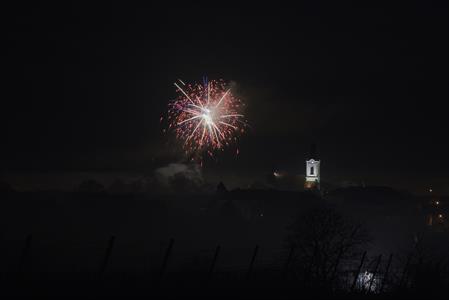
{"x":205,"y":117}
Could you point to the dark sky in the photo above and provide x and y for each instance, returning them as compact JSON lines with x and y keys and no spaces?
{"x":84,"y":87}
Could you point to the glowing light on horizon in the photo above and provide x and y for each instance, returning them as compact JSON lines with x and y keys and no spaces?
{"x":366,"y":281}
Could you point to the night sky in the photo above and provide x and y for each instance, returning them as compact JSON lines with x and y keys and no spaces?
{"x":84,"y":88}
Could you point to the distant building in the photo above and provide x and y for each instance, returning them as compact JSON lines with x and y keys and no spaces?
{"x":312,"y":181}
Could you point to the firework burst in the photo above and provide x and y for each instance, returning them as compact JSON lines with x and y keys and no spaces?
{"x":205,"y":117}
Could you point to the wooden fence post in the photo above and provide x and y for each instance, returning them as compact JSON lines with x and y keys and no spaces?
{"x":214,"y":261}
{"x":358,"y":271}
{"x":374,"y":273}
{"x":384,"y":279}
{"x":107,"y":256}
{"x":166,"y":257}
{"x":250,"y":269}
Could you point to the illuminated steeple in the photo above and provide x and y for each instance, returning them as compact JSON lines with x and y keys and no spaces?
{"x":312,"y":171}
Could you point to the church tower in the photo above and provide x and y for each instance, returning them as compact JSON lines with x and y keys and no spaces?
{"x":312,"y":171}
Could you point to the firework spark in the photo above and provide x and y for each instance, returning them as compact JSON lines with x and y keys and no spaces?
{"x":205,"y":117}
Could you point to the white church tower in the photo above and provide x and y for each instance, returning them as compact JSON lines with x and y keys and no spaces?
{"x":312,"y":171}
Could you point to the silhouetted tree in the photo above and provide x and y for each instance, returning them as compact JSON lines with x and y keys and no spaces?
{"x":426,"y":275}
{"x":221,"y":188}
{"x":321,"y":238}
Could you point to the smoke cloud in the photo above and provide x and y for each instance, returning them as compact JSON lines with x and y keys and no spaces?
{"x":180,"y":178}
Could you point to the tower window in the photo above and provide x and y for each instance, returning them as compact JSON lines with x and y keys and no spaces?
{"x":311,"y":170}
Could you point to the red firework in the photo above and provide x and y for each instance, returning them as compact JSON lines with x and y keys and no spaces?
{"x":205,"y":117}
